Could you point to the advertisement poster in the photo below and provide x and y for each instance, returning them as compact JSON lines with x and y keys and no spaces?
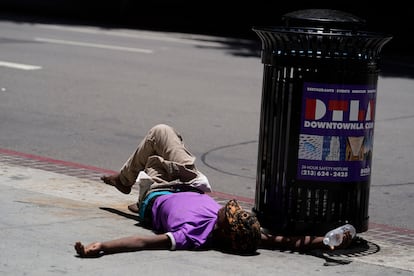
{"x":336,"y":134}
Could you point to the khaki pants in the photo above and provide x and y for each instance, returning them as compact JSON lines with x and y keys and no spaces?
{"x":162,"y":156}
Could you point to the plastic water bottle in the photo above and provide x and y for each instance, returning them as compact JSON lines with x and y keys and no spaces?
{"x":334,"y":237}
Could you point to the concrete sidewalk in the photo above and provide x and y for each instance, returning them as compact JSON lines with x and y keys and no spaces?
{"x":48,"y":205}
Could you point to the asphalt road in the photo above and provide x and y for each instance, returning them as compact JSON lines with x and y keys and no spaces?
{"x":97,"y":92}
{"x":89,"y":94}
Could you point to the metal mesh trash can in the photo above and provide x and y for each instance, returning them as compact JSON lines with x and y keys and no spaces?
{"x":317,"y":121}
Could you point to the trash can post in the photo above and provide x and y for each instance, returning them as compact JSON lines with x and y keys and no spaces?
{"x":317,"y":121}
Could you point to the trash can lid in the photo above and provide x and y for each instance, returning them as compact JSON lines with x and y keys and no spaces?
{"x":325,"y":18}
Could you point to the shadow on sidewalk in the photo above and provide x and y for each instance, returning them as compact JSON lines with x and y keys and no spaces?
{"x":121,"y":213}
{"x":358,"y":248}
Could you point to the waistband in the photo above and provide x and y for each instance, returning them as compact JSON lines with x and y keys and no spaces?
{"x":145,"y":207}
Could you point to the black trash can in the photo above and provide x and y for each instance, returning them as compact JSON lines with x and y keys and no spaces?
{"x":317,"y":122}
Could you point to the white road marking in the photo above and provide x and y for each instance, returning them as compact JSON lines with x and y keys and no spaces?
{"x":19,"y":65}
{"x":93,"y":45}
{"x":200,"y":40}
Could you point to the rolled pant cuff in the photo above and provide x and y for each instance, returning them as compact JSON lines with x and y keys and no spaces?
{"x":124,"y":180}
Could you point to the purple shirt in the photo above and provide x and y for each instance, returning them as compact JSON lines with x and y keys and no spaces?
{"x":188,"y":218}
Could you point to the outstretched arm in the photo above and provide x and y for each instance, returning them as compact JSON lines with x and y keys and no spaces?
{"x":270,"y":241}
{"x":126,"y":244}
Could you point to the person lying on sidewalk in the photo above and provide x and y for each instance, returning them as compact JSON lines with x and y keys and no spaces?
{"x":174,"y":203}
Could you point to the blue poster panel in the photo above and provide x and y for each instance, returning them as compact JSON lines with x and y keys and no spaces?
{"x":336,"y":133}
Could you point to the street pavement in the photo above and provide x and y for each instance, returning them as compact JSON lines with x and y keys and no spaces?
{"x":49,"y":204}
{"x":46,"y":211}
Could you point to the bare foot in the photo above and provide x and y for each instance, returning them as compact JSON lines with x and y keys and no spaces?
{"x":115,"y":181}
{"x":133,"y":207}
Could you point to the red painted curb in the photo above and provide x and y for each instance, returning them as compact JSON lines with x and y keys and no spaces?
{"x":43,"y":159}
{"x":54,"y":161}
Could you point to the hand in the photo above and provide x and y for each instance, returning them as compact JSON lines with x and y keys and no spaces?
{"x":346,"y":241}
{"x":91,"y":250}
